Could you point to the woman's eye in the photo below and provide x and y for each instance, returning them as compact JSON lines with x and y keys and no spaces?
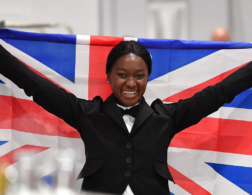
{"x":122,"y":75}
{"x":139,"y":76}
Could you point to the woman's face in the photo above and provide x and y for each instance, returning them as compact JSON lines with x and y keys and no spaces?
{"x":128,"y":79}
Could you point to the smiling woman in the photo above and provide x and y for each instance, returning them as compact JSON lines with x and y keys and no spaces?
{"x":128,"y":79}
{"x":128,"y":67}
{"x":125,"y":154}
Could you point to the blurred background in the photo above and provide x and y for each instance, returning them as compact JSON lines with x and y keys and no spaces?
{"x":170,"y":19}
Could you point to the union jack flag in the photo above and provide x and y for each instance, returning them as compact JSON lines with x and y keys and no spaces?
{"x":212,"y":157}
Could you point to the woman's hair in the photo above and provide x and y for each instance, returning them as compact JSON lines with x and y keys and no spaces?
{"x":126,"y":47}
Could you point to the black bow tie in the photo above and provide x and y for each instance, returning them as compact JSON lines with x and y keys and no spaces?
{"x":132,"y":111}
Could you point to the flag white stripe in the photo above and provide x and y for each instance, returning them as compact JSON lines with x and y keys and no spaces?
{"x":82,"y":67}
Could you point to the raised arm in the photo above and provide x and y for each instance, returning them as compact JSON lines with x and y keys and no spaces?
{"x":45,"y":93}
{"x":190,"y":111}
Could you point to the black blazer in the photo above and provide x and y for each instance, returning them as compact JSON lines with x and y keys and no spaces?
{"x":115,"y":157}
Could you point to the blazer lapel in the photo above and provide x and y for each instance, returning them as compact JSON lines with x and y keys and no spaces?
{"x":114,"y":112}
{"x":143,"y":113}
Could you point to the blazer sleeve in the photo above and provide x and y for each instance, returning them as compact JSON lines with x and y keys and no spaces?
{"x":190,"y":111}
{"x":45,"y":93}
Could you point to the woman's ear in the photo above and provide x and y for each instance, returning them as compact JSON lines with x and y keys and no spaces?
{"x":108,"y":78}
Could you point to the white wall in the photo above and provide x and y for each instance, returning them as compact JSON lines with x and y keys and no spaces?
{"x":81,"y":15}
{"x":200,"y":18}
{"x":124,"y":18}
{"x":241,"y":20}
{"x":205,"y":16}
{"x":130,"y":17}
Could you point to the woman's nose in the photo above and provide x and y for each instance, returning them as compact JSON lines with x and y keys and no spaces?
{"x":131,"y":82}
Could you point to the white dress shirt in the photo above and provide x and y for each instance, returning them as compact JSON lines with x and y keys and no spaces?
{"x":129,"y":122}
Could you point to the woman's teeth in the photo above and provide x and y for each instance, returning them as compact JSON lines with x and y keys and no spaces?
{"x":129,"y":92}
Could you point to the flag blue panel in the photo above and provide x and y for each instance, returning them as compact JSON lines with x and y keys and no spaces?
{"x":54,"y":50}
{"x":243,"y":100}
{"x":169,"y":55}
{"x":58,"y":56}
{"x":166,"y":58}
{"x":30,"y":36}
{"x":240,"y":176}
{"x":190,"y":44}
{"x":3,"y":142}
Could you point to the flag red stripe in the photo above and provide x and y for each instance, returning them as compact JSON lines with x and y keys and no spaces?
{"x":99,"y":50}
{"x":221,"y":135}
{"x":186,"y":183}
{"x":105,"y":40}
{"x":27,"y":116}
{"x":234,"y":136}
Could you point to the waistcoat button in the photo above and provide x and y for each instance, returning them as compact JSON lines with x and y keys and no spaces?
{"x":128,"y":160}
{"x":127,"y":174}
{"x":128,"y":145}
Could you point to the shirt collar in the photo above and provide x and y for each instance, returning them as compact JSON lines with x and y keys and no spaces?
{"x":127,"y":107}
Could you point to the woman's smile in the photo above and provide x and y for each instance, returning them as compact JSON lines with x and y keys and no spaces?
{"x":130,"y":94}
